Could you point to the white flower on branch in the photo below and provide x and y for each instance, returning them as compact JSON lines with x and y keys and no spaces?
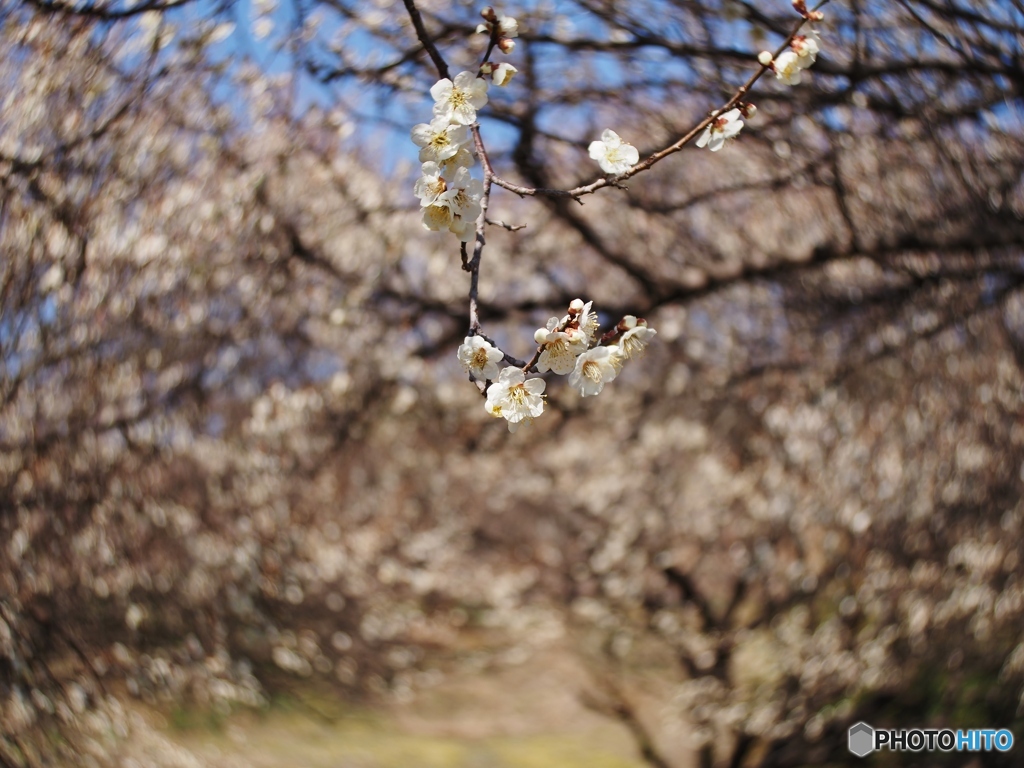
{"x":463,"y":227}
{"x":507,"y":26}
{"x":480,"y":358}
{"x":463,"y":195}
{"x":458,"y":101}
{"x":515,"y":398}
{"x":594,"y":368}
{"x":788,"y":68}
{"x":807,"y":46}
{"x":439,"y":139}
{"x":637,"y":336}
{"x":503,"y":74}
{"x":431,"y":185}
{"x":584,"y":319}
{"x":721,"y":128}
{"x":560,"y":350}
{"x":614,"y":155}
{"x":461,"y":159}
{"x":438,"y":217}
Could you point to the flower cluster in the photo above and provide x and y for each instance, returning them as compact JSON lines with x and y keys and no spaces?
{"x":449,"y":196}
{"x":569,"y":345}
{"x":790,"y":65}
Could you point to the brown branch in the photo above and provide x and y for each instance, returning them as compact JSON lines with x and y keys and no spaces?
{"x":577,"y":192}
{"x":502,"y":224}
{"x":425,"y":39}
{"x":105,"y":14}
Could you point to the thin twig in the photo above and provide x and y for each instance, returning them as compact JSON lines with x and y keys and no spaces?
{"x":428,"y":43}
{"x":503,"y":225}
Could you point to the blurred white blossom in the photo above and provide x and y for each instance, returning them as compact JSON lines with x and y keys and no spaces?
{"x":613,"y":154}
{"x":721,"y":128}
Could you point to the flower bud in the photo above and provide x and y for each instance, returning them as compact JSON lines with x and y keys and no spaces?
{"x":489,"y":14}
{"x":628,"y":322}
{"x":575,"y":305}
{"x":486,"y":68}
{"x":765,"y":58}
{"x":541,"y":335}
{"x":506,"y":44}
{"x":748,"y":110}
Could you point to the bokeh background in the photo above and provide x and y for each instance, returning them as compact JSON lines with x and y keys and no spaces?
{"x":243,"y":476}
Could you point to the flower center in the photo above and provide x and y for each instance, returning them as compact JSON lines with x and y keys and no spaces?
{"x":480,"y":358}
{"x":517,"y":394}
{"x":440,"y":140}
{"x":632,"y":346}
{"x":592,"y":371}
{"x":458,"y":98}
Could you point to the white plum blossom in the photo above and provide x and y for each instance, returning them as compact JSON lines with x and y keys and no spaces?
{"x":438,"y":217}
{"x":594,"y":368}
{"x":463,"y":195}
{"x":807,"y":46}
{"x":439,"y":139}
{"x":463,"y":227}
{"x":515,"y":398}
{"x":634,"y":341}
{"x":614,"y":155}
{"x":461,"y":159}
{"x":559,"y":352}
{"x":721,"y":128}
{"x":788,"y":68}
{"x":431,"y":185}
{"x":507,"y":26}
{"x":480,"y":358}
{"x":503,"y":74}
{"x":586,"y":320}
{"x":458,"y":101}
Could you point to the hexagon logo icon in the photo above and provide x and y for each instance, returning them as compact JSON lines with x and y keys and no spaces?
{"x":861,"y":739}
